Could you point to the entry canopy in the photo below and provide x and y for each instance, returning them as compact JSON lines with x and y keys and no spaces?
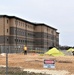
{"x":54,"y":52}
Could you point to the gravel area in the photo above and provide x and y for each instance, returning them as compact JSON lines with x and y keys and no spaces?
{"x":51,"y":72}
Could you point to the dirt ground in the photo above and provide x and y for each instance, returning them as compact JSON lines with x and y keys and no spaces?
{"x":36,"y":61}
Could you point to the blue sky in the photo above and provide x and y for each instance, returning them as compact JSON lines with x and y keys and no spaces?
{"x":56,"y":13}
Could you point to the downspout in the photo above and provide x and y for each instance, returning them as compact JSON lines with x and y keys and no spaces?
{"x":4,"y":33}
{"x":26,"y":34}
{"x":16,"y":35}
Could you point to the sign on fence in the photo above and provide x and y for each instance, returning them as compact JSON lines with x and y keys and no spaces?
{"x":49,"y":63}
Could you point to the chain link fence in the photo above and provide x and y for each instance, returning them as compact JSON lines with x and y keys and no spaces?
{"x":11,"y":49}
{"x":8,"y":70}
{"x":19,"y":49}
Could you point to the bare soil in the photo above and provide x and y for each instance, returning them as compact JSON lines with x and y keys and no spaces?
{"x":36,"y":61}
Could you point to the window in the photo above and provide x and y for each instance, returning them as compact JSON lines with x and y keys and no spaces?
{"x":19,"y":23}
{"x":23,"y":41}
{"x":7,"y":39}
{"x":23,"y":24}
{"x":7,"y":30}
{"x":7,"y":21}
{"x":15,"y":40}
{"x":19,"y":40}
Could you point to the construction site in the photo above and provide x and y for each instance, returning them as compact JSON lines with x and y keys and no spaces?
{"x":34,"y":63}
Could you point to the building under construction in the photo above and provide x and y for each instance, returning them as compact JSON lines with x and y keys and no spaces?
{"x":17,"y":32}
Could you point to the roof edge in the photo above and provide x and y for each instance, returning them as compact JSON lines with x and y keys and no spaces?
{"x":28,"y":21}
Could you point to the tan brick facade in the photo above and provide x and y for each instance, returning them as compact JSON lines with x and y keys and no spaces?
{"x":17,"y":31}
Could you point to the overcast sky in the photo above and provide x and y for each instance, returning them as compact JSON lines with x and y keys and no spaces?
{"x":56,"y":13}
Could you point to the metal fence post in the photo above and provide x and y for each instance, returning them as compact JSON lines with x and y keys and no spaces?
{"x":6,"y":62}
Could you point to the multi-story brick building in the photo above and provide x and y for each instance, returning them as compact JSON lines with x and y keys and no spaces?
{"x":15,"y":31}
